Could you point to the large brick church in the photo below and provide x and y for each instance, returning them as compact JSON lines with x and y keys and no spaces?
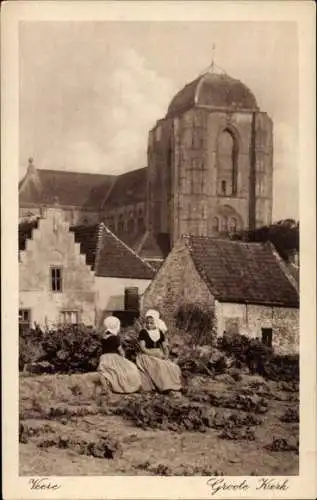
{"x":210,"y":172}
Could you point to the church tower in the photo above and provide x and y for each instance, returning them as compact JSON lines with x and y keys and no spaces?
{"x":210,"y":161}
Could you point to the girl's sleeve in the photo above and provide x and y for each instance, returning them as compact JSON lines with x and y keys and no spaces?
{"x":142,"y":335}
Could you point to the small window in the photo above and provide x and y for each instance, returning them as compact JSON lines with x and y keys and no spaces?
{"x":69,"y":317}
{"x":223,"y":187}
{"x":56,"y":279}
{"x":225,"y":224}
{"x":203,"y":211}
{"x":25,"y":318}
{"x":233,"y":225}
{"x":267,"y":334}
{"x":121,"y":224}
{"x":215,"y":226}
{"x":158,"y":133}
{"x":189,"y":210}
{"x":141,"y":225}
{"x":130,"y":226}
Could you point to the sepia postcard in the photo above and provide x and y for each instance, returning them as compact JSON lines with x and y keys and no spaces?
{"x":158,"y":250}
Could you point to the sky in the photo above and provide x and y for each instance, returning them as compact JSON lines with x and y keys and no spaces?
{"x":91,"y":91}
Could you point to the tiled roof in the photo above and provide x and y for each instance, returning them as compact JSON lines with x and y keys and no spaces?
{"x":87,"y":236}
{"x":25,"y":232}
{"x":128,"y":189}
{"x":69,"y":188}
{"x":155,"y":263}
{"x":108,"y":255}
{"x":242,"y":272}
{"x":294,"y":270}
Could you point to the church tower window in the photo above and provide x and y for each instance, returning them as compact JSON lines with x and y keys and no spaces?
{"x":215,"y":226}
{"x":225,"y":225}
{"x":233,"y":225}
{"x":121,"y":224}
{"x":227,"y":156}
{"x":131,"y":223}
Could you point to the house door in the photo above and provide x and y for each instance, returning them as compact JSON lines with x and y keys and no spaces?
{"x":267,"y":334}
{"x":25,"y":318}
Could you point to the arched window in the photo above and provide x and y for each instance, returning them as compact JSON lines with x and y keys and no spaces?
{"x":203,"y":211}
{"x":227,"y":157}
{"x":233,"y":225}
{"x":215,"y":225}
{"x":110,"y":223}
{"x":189,"y":210}
{"x":121,"y":224}
{"x":141,"y":225}
{"x":130,"y":225}
{"x":225,"y":224}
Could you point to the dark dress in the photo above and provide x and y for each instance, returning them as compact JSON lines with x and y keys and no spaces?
{"x":110,"y":344}
{"x":149,"y":343}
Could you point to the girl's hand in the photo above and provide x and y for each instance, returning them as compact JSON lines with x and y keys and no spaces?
{"x":157,"y":353}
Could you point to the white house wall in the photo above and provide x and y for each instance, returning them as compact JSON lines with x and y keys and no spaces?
{"x":250,"y":319}
{"x":53,"y":245}
{"x":110,"y":291}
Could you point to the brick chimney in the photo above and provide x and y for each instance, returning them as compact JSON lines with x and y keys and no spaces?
{"x":31,"y":166}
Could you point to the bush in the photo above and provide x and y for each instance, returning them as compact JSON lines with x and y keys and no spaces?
{"x":69,"y":349}
{"x":30,"y":346}
{"x":291,"y":415}
{"x":72,"y":349}
{"x":284,"y":368}
{"x":259,"y":358}
{"x":198,"y":320}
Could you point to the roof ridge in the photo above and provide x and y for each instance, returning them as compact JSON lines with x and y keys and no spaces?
{"x":140,"y":246}
{"x":128,"y":248}
{"x":63,"y":171}
{"x":223,"y":240}
{"x":283,"y":266}
{"x":100,"y":227}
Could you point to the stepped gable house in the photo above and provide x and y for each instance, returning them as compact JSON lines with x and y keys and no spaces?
{"x":209,"y":173}
{"x":246,"y":286}
{"x":75,"y":274}
{"x":121,"y":276}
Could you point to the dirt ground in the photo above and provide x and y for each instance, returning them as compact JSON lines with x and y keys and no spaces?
{"x":71,"y":407}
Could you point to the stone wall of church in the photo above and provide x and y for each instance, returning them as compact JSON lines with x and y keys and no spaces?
{"x":198,"y":185}
{"x":263,"y":169}
{"x":160,"y":183}
{"x":126,"y":219}
{"x":190,"y":174}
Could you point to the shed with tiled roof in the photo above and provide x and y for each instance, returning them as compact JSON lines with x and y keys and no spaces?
{"x":118,"y":269}
{"x":246,"y":287}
